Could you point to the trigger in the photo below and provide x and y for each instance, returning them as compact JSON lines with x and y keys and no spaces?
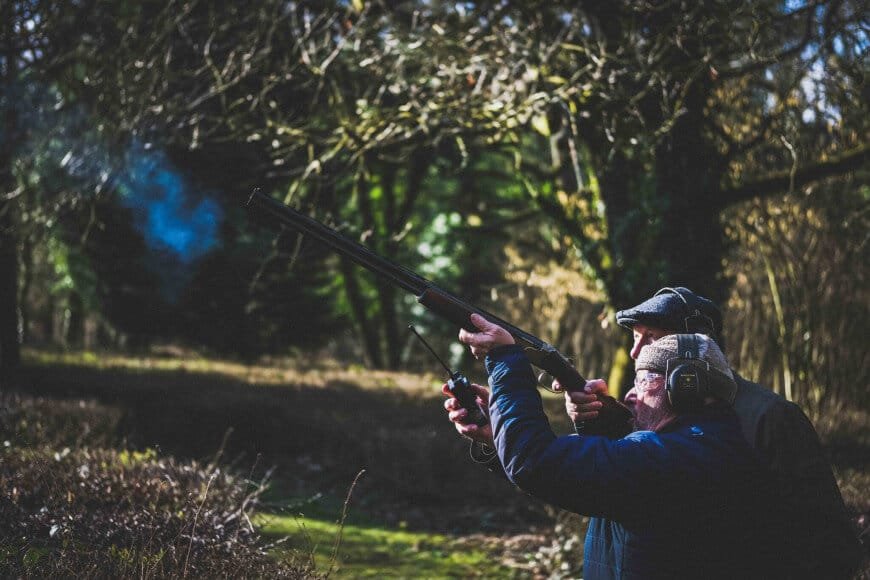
{"x":545,"y":379}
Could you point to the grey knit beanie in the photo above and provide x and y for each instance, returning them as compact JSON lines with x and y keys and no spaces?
{"x":655,"y":356}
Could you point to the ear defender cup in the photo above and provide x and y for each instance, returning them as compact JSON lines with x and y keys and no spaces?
{"x":685,"y":387}
{"x":688,"y":377}
{"x":691,"y":380}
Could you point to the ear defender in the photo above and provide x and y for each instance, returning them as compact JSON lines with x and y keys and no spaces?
{"x":687,"y":375}
{"x":691,"y":380}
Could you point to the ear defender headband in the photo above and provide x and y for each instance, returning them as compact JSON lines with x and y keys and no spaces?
{"x":695,"y":320}
{"x":690,"y":380}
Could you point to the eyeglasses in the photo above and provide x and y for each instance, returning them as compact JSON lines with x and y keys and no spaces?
{"x":644,"y":379}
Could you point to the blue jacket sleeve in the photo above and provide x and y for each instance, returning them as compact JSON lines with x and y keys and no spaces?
{"x":590,"y":475}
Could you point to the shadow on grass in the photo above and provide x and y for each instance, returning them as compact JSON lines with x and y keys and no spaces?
{"x":417,"y":469}
{"x":418,"y":476}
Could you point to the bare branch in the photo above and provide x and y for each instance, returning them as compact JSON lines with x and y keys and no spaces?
{"x":782,"y":181}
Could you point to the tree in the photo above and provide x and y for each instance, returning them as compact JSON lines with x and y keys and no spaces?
{"x":664,"y":115}
{"x":335,"y":106}
{"x":631,"y":126}
{"x":648,"y":120}
{"x":654,"y":118}
{"x":33,"y":36}
{"x":10,"y":51}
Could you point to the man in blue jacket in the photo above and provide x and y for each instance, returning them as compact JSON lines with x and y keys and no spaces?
{"x":822,"y":541}
{"x":681,"y":496}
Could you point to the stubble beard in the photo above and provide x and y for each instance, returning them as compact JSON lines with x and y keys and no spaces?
{"x":649,"y":416}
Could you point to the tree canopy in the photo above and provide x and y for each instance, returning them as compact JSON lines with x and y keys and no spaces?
{"x":618,"y":139}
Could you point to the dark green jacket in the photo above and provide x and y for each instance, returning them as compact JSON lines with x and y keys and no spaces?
{"x":822,"y":542}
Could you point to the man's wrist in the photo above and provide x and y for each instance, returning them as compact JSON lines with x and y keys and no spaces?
{"x":500,"y":353}
{"x":509,"y":368}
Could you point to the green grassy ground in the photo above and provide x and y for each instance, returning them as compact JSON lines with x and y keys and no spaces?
{"x":373,"y":551}
{"x":421,"y":509}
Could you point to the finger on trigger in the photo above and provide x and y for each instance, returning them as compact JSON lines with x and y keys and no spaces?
{"x":582,"y":399}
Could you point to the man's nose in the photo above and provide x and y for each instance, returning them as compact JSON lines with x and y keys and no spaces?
{"x":639,"y":343}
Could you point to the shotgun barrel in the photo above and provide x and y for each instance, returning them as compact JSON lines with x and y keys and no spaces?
{"x":443,"y":304}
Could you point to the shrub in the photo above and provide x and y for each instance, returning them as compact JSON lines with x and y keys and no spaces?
{"x":104,"y":512}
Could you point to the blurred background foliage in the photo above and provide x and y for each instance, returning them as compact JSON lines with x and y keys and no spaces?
{"x":550,"y":161}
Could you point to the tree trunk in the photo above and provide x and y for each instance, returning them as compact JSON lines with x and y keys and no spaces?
{"x":27,"y":267}
{"x":10,"y":329}
{"x":689,"y":172}
{"x":630,"y":273}
{"x":75,"y":328}
{"x":386,"y":291}
{"x":621,"y":377}
{"x":369,"y":333}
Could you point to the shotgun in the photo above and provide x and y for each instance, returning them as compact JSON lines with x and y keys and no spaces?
{"x":612,"y":418}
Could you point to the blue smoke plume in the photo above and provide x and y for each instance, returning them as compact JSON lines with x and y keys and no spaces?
{"x":171,"y":212}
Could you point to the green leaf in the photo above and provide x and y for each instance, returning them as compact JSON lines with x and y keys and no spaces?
{"x":541,"y":125}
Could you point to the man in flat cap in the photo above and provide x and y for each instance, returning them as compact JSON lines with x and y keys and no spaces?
{"x":822,"y":540}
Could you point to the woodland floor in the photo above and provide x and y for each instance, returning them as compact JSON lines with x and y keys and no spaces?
{"x":419,"y":508}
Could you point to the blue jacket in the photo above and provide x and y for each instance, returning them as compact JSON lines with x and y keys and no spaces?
{"x":689,"y":502}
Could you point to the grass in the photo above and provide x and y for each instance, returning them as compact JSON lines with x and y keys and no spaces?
{"x":318,"y":427}
{"x":412,"y":513}
{"x":421,"y":509}
{"x":275,"y":372}
{"x":369,"y":551}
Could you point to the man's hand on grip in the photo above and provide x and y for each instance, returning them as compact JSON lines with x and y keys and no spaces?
{"x":583,"y":405}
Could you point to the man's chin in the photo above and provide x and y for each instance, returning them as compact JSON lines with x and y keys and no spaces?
{"x":643,"y":423}
{"x":635,"y":426}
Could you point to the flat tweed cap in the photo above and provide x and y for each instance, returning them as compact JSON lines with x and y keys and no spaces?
{"x":669,"y":310}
